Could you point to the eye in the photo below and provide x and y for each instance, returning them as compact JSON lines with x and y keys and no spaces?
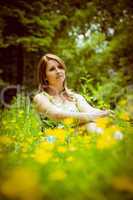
{"x":51,"y":69}
{"x":60,"y":67}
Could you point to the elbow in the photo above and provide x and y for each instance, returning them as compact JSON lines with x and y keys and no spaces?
{"x":56,"y":116}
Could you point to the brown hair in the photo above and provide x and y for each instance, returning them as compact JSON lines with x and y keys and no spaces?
{"x":43,"y":84}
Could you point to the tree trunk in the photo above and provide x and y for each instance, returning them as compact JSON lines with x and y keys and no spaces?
{"x":20,"y":64}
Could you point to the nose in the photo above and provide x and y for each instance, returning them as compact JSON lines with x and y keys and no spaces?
{"x":57,"y":70}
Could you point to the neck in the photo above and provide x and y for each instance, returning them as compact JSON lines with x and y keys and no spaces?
{"x":55,"y":91}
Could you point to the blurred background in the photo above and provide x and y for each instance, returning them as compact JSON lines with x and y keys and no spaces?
{"x":93,"y":37}
{"x":95,"y":40}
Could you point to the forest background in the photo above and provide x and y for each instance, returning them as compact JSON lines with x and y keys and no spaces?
{"x":94,"y":38}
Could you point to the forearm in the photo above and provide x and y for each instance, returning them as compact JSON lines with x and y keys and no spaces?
{"x":79,"y":117}
{"x":98,"y":112}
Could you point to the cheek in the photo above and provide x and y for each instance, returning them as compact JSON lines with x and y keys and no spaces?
{"x":49,"y":75}
{"x":63,"y":72}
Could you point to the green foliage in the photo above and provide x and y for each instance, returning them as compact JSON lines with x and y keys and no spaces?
{"x":107,"y":92}
{"x":20,"y":118}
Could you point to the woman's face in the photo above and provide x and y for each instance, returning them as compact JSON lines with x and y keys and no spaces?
{"x":55,"y":73}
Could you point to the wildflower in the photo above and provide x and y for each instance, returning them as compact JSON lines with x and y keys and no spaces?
{"x":42,"y":156}
{"x":59,"y":133}
{"x":118,"y":135}
{"x":46,"y":146}
{"x":113,"y":128}
{"x":102,"y":122}
{"x":49,"y":131}
{"x":92,"y":127}
{"x":68,"y":121}
{"x":81,"y":130}
{"x":58,"y":175}
{"x":106,"y":140}
{"x":43,"y":152}
{"x":22,"y":184}
{"x":87,"y":141}
{"x":123,"y":183}
{"x":61,"y":149}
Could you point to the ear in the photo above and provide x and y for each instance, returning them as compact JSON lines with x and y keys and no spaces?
{"x":45,"y":82}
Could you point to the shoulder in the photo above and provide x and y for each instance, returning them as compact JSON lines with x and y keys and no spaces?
{"x":40,"y":96}
{"x":78,"y":96}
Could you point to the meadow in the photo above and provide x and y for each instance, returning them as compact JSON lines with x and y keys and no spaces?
{"x":64,"y":162}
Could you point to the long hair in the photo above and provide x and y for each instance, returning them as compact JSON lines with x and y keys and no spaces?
{"x":43,"y":83}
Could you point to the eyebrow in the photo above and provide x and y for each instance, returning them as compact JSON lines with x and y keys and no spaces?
{"x":54,"y":66}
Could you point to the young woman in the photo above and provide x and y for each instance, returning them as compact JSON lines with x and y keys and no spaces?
{"x":55,"y":101}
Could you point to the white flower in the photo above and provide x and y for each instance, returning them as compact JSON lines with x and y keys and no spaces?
{"x":99,"y":130}
{"x":91,"y":127}
{"x":118,"y":135}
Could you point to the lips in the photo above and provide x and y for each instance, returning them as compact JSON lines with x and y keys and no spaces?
{"x":60,"y":75}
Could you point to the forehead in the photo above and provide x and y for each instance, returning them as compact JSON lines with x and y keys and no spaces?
{"x":52,"y":63}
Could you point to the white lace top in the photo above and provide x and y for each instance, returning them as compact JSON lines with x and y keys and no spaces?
{"x":64,"y":104}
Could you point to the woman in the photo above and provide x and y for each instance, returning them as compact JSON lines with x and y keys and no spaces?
{"x":55,"y":101}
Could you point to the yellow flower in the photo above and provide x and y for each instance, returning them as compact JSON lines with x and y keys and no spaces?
{"x":58,"y":175}
{"x":123,"y":183}
{"x":106,"y":140}
{"x":113,"y":128}
{"x":125,"y":116}
{"x":102,"y":122}
{"x":49,"y":131}
{"x":81,"y":130}
{"x":61,"y":149}
{"x":46,"y":146}
{"x":59,"y":133}
{"x":43,"y":152}
{"x":21,"y":184}
{"x":68,"y":121}
{"x":42,"y":157}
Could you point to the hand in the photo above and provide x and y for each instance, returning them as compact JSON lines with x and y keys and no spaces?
{"x":108,"y":112}
{"x":105,"y":112}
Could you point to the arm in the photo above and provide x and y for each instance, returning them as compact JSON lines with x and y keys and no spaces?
{"x":43,"y":105}
{"x":84,"y":106}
